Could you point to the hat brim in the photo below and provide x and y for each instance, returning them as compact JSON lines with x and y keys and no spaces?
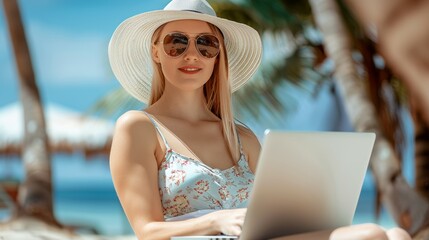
{"x":130,"y":49}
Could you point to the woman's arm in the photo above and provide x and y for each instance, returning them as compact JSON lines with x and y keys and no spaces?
{"x":134,"y":172}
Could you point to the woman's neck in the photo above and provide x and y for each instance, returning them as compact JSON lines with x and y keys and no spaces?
{"x":189,"y":106}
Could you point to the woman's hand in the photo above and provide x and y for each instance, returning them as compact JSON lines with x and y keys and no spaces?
{"x":228,"y":222}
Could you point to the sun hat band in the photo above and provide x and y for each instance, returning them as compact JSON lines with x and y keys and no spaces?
{"x":130,"y":46}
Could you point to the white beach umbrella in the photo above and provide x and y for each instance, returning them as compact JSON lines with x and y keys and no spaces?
{"x":68,"y":131}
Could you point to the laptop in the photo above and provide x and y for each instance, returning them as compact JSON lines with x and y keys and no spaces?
{"x":305,"y":182}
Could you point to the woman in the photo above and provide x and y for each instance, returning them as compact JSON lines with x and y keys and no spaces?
{"x":184,"y":156}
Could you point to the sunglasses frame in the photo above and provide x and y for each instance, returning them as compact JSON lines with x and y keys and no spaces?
{"x":187,"y":46}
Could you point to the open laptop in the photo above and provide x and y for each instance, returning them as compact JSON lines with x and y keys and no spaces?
{"x":305,"y":181}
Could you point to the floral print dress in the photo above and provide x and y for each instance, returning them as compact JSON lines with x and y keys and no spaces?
{"x":187,"y":185}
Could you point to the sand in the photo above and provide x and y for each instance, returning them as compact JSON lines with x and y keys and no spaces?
{"x":32,"y":229}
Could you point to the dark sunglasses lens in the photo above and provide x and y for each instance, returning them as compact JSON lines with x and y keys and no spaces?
{"x":175,"y":44}
{"x":208,"y":46}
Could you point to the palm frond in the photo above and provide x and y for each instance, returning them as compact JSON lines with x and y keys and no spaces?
{"x":259,"y":15}
{"x":300,"y":9}
{"x":266,"y":91}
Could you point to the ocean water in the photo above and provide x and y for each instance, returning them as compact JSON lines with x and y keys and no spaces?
{"x":97,"y":209}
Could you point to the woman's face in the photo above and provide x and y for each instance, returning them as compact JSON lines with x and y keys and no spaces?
{"x":190,"y":70}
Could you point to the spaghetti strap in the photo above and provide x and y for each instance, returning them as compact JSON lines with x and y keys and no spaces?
{"x":239,"y":141}
{"x":158,"y":130}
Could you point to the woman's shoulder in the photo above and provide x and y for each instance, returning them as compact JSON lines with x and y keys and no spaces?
{"x":132,"y":118}
{"x":247,"y":136}
{"x":134,"y":135}
{"x":134,"y":121}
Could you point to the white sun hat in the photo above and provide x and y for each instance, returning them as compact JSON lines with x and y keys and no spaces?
{"x":130,"y":46}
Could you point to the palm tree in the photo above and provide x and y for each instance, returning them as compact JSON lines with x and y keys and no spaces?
{"x":397,"y":35}
{"x":35,"y":193}
{"x":421,"y":145}
{"x":421,"y":142}
{"x":409,"y":209}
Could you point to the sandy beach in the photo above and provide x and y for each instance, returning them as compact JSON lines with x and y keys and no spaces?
{"x":51,"y":235}
{"x":31,"y":229}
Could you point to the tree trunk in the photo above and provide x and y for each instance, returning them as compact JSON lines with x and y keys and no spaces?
{"x":421,"y":141}
{"x":421,"y":146}
{"x":409,"y":209}
{"x":35,"y":193}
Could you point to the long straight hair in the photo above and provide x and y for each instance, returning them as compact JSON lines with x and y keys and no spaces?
{"x":217,"y":92}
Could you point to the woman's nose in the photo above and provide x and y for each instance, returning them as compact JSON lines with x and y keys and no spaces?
{"x":192,"y":52}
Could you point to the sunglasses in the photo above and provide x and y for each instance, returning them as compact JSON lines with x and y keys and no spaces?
{"x":176,"y":43}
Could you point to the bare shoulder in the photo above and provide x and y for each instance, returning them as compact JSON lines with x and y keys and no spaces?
{"x":134,"y":132}
{"x":133,"y":119}
{"x":137,"y":124}
{"x":251,"y":145}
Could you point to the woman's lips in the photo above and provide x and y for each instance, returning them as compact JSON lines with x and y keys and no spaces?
{"x":190,"y":70}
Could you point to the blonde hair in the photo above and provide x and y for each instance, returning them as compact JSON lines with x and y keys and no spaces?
{"x":217,"y":92}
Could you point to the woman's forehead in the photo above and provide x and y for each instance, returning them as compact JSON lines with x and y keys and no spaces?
{"x":187,"y":26}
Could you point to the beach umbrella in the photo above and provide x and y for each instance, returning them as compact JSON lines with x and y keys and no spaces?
{"x":68,"y":131}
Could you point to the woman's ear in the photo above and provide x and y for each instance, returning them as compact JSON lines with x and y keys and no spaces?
{"x":155,"y":53}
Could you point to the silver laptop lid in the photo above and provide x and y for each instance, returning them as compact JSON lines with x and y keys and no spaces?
{"x":306,"y":181}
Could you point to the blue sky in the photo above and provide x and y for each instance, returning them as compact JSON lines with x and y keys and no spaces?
{"x":68,"y":38}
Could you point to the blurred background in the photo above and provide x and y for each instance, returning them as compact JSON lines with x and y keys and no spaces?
{"x":296,"y":88}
